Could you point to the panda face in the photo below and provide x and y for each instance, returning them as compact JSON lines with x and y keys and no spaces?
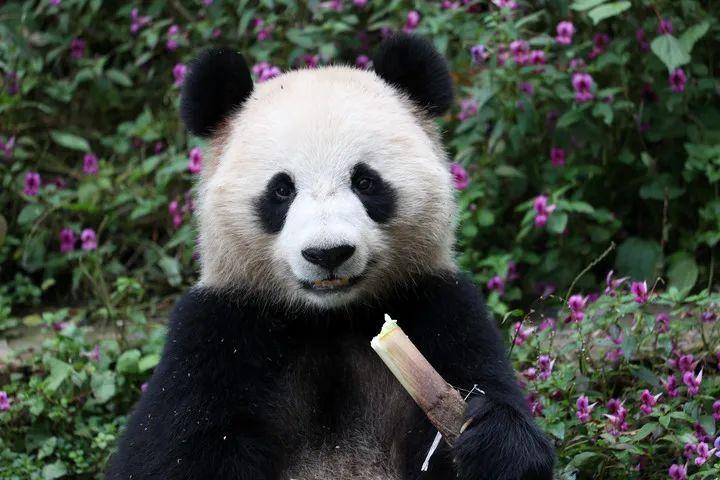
{"x":327,"y":188}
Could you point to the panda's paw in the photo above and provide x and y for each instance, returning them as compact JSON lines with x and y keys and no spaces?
{"x":502,"y":444}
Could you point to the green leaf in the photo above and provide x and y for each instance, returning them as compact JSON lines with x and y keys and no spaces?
{"x":670,"y":51}
{"x":59,"y":371}
{"x":128,"y":361}
{"x":54,"y":470}
{"x":557,"y":430}
{"x":598,"y":14}
{"x":557,"y":222}
{"x":644,"y":431}
{"x":103,"y":386}
{"x":582,"y":5}
{"x":683,"y":272}
{"x":69,"y":140}
{"x":693,"y":34}
{"x":119,"y":77}
{"x":637,"y":258}
{"x":646,"y":375}
{"x":148,"y":362}
{"x":171,"y":267}
{"x":30,"y":213}
{"x":604,"y":111}
{"x":582,"y":458}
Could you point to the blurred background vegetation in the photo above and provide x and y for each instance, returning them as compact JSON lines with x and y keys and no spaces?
{"x":585,"y":133}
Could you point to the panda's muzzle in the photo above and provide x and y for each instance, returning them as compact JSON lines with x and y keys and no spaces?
{"x":332,"y":284}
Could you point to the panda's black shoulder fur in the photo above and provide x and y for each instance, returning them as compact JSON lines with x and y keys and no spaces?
{"x":412,"y":64}
{"x":215,"y":406}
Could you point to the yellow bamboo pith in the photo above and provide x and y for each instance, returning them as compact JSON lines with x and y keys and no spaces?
{"x":442,"y":404}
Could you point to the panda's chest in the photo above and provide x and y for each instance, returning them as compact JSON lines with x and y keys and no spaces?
{"x":340,"y":413}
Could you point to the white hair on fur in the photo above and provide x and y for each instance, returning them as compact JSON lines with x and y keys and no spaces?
{"x":316,"y":125}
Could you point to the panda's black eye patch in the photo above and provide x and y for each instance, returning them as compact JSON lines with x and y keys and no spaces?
{"x":272,"y":206}
{"x":377,"y":196}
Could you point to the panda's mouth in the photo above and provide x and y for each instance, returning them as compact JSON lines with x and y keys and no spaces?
{"x":333,"y":284}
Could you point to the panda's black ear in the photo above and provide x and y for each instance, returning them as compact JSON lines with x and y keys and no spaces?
{"x":218,"y":82}
{"x":412,"y":64}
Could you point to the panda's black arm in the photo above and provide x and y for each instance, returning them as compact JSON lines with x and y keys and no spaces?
{"x":447,"y":320}
{"x":202,"y":415}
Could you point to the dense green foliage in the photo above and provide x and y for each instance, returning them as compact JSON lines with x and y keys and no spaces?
{"x":567,"y":139}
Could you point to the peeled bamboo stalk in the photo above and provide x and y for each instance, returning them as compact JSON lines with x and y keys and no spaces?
{"x":442,"y":404}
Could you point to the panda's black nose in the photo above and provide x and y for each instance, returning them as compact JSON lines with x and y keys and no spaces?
{"x":329,"y":258}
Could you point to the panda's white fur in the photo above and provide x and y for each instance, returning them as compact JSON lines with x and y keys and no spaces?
{"x":316,"y":125}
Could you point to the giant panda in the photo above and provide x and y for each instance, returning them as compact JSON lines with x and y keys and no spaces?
{"x":327,"y":202}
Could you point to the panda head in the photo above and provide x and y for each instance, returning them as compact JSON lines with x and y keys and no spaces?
{"x":325,"y":186}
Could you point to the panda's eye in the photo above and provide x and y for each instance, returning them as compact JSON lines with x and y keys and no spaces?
{"x":364,"y":184}
{"x":284,"y":191}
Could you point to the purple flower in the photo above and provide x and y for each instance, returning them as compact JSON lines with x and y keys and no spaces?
{"x":520,"y":50}
{"x":496,"y":283}
{"x":547,"y":322}
{"x":144,"y":387}
{"x":60,"y":326}
{"x":583,"y":84}
{"x":640,"y":290}
{"x":612,"y":284}
{"x":642,"y":39}
{"x":412,"y":21}
{"x":703,"y":453}
{"x":94,"y":354}
{"x":542,"y":210}
{"x":7,"y":147}
{"x":521,"y":334}
{"x":12,"y":84}
{"x":527,"y":88}
{"x":545,"y":366}
{"x":54,"y":3}
{"x":662,"y":322}
{"x":689,"y":450}
{"x":677,"y":80}
{"x":708,"y":316}
{"x":461,"y":179}
{"x":264,"y":71}
{"x":512,"y":272}
{"x":584,"y":409}
{"x":77,"y":48}
{"x":511,"y":4}
{"x":311,"y":61}
{"x":468,"y":108}
{"x":137,"y":21}
{"x":565,"y":31}
{"x":4,"y":401}
{"x":576,"y":303}
{"x":360,"y":3}
{"x":90,"y":164}
{"x":716,"y":410}
{"x":207,"y":3}
{"x":195,"y":158}
{"x":32,"y":184}
{"x":576,"y":64}
{"x":479,"y":53}
{"x":179,"y":71}
{"x":336,"y":5}
{"x":600,"y":43}
{"x":677,"y":472}
{"x":67,"y":240}
{"x":648,"y":401}
{"x":363,"y":62}
{"x":671,"y":386}
{"x":537,"y":57}
{"x":88,"y":237}
{"x":717,"y":447}
{"x":693,"y":382}
{"x":557,"y":157}
{"x":174,"y":210}
{"x":617,"y":416}
{"x":665,"y":26}
{"x":172,"y":33}
{"x":159,"y":147}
